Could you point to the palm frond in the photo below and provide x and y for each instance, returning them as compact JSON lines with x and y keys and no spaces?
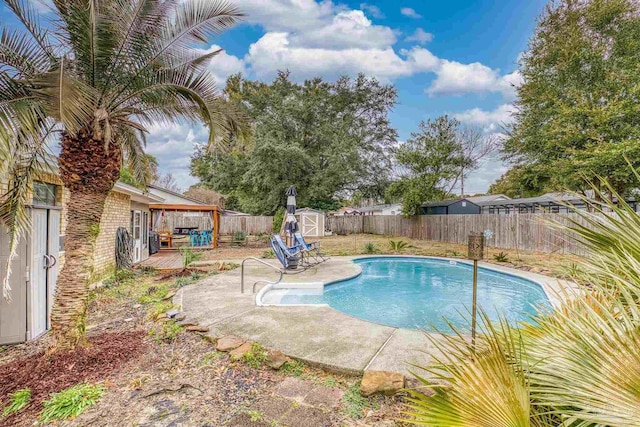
{"x":28,"y":16}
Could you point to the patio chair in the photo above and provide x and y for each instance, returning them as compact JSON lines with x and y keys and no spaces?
{"x":194,"y":238}
{"x":166,"y":237}
{"x":288,"y":257}
{"x":205,"y":237}
{"x":312,"y":249}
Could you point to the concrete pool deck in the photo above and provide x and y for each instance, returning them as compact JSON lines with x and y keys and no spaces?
{"x":317,"y":335}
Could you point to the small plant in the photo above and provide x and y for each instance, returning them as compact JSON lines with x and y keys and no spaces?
{"x":240,"y":236}
{"x":330,"y":382}
{"x":170,"y":330}
{"x":189,"y":256}
{"x":257,"y":356}
{"x":501,"y":257}
{"x":255,"y":416}
{"x":19,"y":399}
{"x":70,"y":402}
{"x":370,"y":248}
{"x":269,"y":254}
{"x":355,"y":402}
{"x":210,"y":358}
{"x":454,"y":253}
{"x":398,"y":246}
{"x":292,"y":368}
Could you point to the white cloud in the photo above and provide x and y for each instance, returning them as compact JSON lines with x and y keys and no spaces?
{"x":490,"y":120}
{"x":420,"y":36}
{"x":223,"y":65}
{"x":409,"y":12}
{"x":347,"y":29}
{"x":273,"y":52}
{"x":172,"y":144}
{"x":372,"y":10}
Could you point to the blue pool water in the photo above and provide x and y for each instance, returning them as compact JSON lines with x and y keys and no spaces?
{"x":418,"y":293}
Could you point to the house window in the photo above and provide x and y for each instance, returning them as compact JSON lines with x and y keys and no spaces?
{"x":44,"y":194}
{"x":464,"y":204}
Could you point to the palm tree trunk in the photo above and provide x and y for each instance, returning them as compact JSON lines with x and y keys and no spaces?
{"x":89,"y":171}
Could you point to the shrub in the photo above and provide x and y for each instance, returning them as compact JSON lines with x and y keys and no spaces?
{"x":189,"y":256}
{"x":370,"y":248}
{"x":239,"y":235}
{"x":19,"y":400}
{"x":70,"y":402}
{"x":278,"y":218}
{"x":501,"y":257}
{"x":398,"y":246}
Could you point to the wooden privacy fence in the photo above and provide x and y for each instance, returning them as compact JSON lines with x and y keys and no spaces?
{"x":532,"y":232}
{"x":249,"y":224}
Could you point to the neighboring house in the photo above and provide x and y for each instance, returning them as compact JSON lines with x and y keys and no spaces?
{"x":450,"y":207}
{"x":345,"y":211}
{"x":40,"y":253}
{"x":171,"y":197}
{"x":547,"y":203}
{"x":388,"y":209}
{"x":488,"y":198}
{"x":227,"y":212}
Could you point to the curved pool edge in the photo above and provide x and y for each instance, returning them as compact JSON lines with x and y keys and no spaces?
{"x":556,"y":290}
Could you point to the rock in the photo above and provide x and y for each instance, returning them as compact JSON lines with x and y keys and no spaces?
{"x":238,"y":352}
{"x":229,"y":343}
{"x":381,"y":382}
{"x":161,"y":316}
{"x":170,"y":294}
{"x":276,"y":359}
{"x":171,"y":314}
{"x":196,"y":328}
{"x":180,"y":316}
{"x":188,"y":323}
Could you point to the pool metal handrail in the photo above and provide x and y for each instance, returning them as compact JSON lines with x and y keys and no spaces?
{"x":279,"y":270}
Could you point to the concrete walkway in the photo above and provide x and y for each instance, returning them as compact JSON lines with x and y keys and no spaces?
{"x":318,"y":335}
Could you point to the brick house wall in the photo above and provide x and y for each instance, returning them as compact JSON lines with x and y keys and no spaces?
{"x":117,"y":213}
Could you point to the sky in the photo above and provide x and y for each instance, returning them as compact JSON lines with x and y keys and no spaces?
{"x":455,"y":57}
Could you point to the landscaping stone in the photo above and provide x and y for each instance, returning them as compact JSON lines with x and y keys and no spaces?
{"x":188,"y":323}
{"x":273,"y":407}
{"x":171,"y":314}
{"x":324,"y":397}
{"x":195,"y":328}
{"x":170,"y":294}
{"x":180,"y":316}
{"x":244,"y":420}
{"x":276,"y":359}
{"x":228,"y":343}
{"x":238,"y":352}
{"x":294,"y":388}
{"x":381,"y":382}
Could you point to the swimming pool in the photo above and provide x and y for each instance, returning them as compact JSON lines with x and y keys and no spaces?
{"x":418,"y":293}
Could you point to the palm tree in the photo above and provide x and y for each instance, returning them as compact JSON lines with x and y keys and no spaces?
{"x":98,"y":74}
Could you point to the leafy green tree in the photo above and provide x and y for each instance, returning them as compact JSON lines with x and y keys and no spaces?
{"x":329,"y":139}
{"x":578,"y":112}
{"x":429,"y":163}
{"x":522,"y":181}
{"x":98,"y":76}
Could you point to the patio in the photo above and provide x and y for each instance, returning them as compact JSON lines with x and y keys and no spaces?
{"x":317,"y":335}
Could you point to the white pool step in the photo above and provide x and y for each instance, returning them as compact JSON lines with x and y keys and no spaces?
{"x":300,"y":285}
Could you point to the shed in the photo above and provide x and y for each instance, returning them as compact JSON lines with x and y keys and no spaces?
{"x":311,"y":222}
{"x":450,"y":207}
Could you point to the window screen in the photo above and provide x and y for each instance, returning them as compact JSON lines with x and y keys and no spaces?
{"x":44,"y":194}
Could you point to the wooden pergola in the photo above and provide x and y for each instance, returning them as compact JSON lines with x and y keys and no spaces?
{"x":215,"y":213}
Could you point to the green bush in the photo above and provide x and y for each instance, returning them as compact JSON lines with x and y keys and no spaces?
{"x":19,"y":400}
{"x":370,"y":248}
{"x":189,"y":256}
{"x":70,"y":402}
{"x":501,"y":257}
{"x":278,"y":218}
{"x":269,"y":254}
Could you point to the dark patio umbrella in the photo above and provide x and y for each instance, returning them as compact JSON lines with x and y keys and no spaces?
{"x":291,"y":224}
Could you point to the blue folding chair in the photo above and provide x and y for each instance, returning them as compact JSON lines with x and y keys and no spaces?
{"x":288,"y":257}
{"x":311,"y":250}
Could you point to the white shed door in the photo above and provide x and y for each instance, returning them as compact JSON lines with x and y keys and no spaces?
{"x":38,"y":304}
{"x":310,"y":225}
{"x":54,"y":255}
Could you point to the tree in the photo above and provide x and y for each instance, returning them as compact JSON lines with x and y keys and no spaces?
{"x":522,"y":181}
{"x":105,"y":71}
{"x":167,"y":180}
{"x":476,"y":145}
{"x":149,"y":168}
{"x":429,"y":164}
{"x":578,"y":112}
{"x":329,"y":139}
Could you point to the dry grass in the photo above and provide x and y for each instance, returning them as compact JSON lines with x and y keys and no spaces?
{"x":548,"y":263}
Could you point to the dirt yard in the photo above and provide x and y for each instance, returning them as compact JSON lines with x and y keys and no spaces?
{"x":155,"y":373}
{"x":359,"y":244}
